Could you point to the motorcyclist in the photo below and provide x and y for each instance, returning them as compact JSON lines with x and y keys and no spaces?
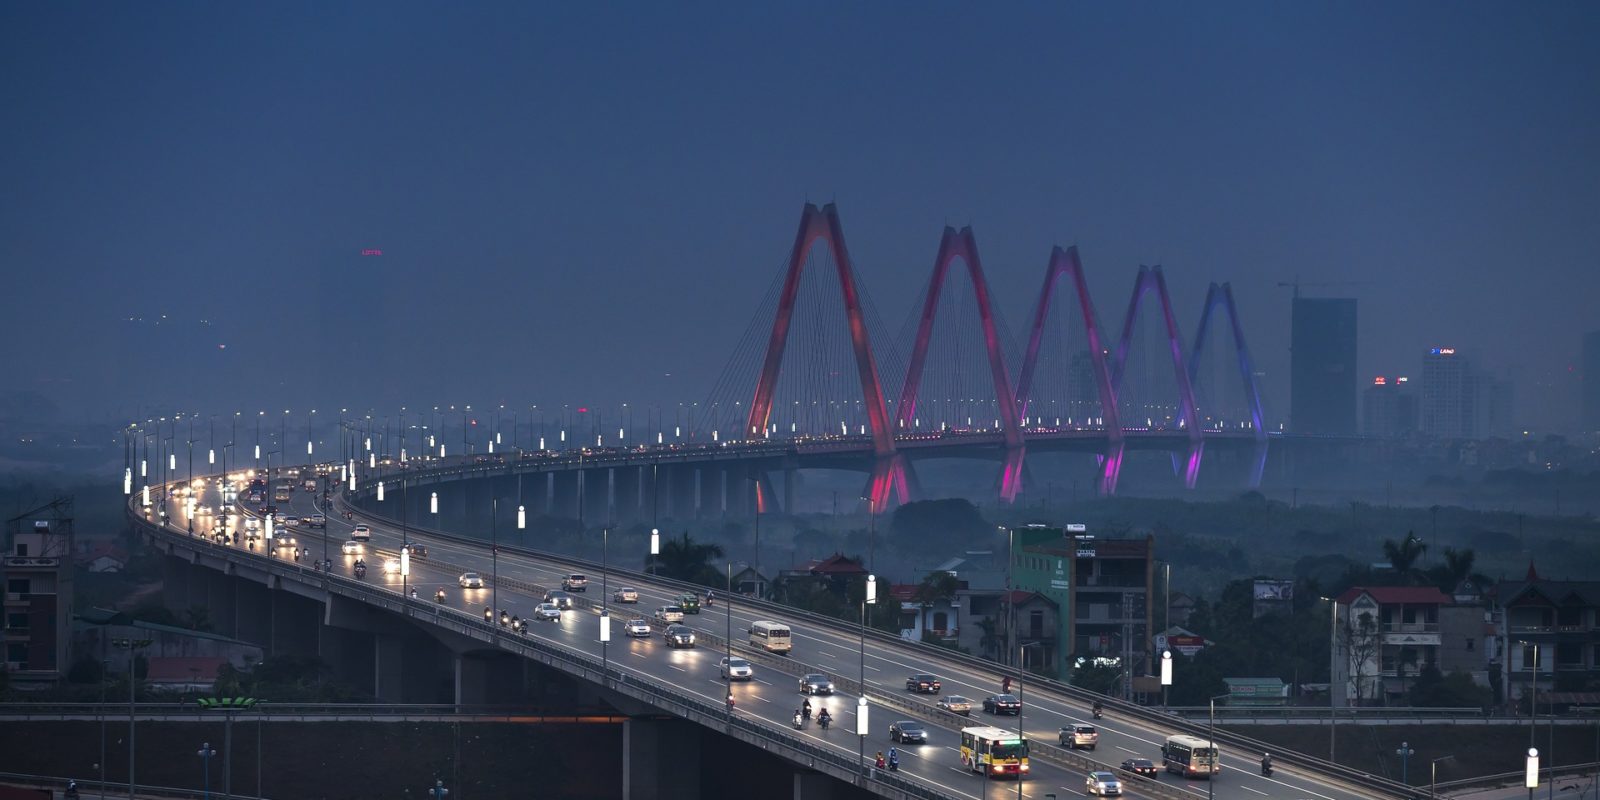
{"x":413,"y":593}
{"x":488,"y":616}
{"x":1266,"y":763}
{"x":439,"y":596}
{"x":805,"y":709}
{"x":708,"y":599}
{"x":824,"y":718}
{"x":894,"y":760}
{"x":880,"y":762}
{"x":1005,"y":686}
{"x":797,"y":719}
{"x":72,"y":790}
{"x":1098,"y":709}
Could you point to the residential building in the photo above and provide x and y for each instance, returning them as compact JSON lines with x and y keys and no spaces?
{"x":36,"y":637}
{"x":1386,"y":635}
{"x":1560,"y":620}
{"x":1389,"y":407}
{"x":1461,"y":401}
{"x":1322,"y":365}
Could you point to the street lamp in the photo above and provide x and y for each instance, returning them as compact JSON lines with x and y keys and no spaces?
{"x":655,"y":548}
{"x":870,"y":597}
{"x":1166,"y":675}
{"x":605,"y":598}
{"x":1333,"y":672}
{"x":433,"y":502}
{"x":1405,"y":752}
{"x":1211,"y":746}
{"x":1531,"y":778}
{"x":205,"y":753}
{"x":1433,"y":783}
{"x":727,"y":640}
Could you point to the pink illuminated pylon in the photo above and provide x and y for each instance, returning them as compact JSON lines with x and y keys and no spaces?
{"x":1065,"y":262}
{"x":822,"y":224}
{"x":964,"y":246}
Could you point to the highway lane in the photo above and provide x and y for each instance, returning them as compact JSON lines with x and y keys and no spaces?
{"x":772,"y":696}
{"x":833,"y":652}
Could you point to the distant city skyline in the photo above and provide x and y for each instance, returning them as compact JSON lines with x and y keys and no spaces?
{"x":584,"y":205}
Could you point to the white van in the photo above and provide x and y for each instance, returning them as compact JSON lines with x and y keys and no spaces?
{"x":770,"y":636}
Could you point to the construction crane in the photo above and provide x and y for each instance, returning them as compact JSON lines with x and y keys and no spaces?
{"x":1297,"y":284}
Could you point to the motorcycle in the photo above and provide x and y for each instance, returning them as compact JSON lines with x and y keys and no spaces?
{"x":798,"y":723}
{"x":488,"y":616}
{"x":1266,"y":769}
{"x":1098,"y":713}
{"x":361,"y":570}
{"x":439,"y":598}
{"x":894,"y":763}
{"x":824,"y":721}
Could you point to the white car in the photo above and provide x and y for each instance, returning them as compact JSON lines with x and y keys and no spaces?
{"x":669,"y":614}
{"x":638,"y":627}
{"x":1103,"y":784}
{"x":352,"y":548}
{"x":470,"y":580}
{"x":626,"y":594}
{"x":547,"y":611}
{"x":736,"y":669}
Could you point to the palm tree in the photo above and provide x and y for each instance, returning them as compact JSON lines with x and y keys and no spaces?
{"x":1457,"y":567}
{"x":1403,"y":556}
{"x":687,"y":560}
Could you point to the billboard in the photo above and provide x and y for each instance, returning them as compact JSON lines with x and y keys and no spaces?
{"x":1280,"y":591}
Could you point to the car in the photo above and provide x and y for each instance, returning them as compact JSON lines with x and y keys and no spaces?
{"x":560,"y":598}
{"x":679,"y":636}
{"x":470,"y":580}
{"x":1002,"y":704}
{"x":626,"y":594}
{"x":638,"y":627}
{"x":352,"y":548}
{"x":547,"y":611}
{"x":922,"y":683}
{"x":816,"y":683}
{"x":417,"y":550}
{"x":316,"y":521}
{"x":736,"y":669}
{"x":291,"y":520}
{"x":906,"y":731}
{"x":575,"y":583}
{"x":252,"y":524}
{"x":1079,"y":737}
{"x":956,"y":704}
{"x":361,"y":532}
{"x":1102,"y":783}
{"x":1140,"y":766}
{"x":669,"y":614}
{"x":391,"y":566}
{"x":690,"y":603}
{"x":280,"y":533}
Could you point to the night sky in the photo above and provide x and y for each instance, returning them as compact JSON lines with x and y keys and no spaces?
{"x":583,"y":203}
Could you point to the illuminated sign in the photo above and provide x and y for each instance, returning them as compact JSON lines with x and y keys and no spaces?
{"x":1401,"y":379}
{"x":1443,"y":351}
{"x":371,"y":251}
{"x":1379,"y":381}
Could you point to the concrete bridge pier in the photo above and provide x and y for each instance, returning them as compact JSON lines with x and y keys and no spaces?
{"x":176,"y":583}
{"x":220,"y":596}
{"x":682,"y":491}
{"x":351,"y":654}
{"x":660,"y":758}
{"x":489,"y":677}
{"x":564,"y":494}
{"x":596,"y":510}
{"x":627,"y":486}
{"x":294,"y":622}
{"x":253,"y":612}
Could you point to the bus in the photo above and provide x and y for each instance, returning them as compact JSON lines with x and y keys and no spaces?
{"x":995,"y":752}
{"x":282,"y":494}
{"x":770,"y":636}
{"x":1191,"y":756}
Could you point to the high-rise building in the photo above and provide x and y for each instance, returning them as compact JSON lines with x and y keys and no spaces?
{"x":37,"y":631}
{"x":1322,"y":365}
{"x":1447,"y":403}
{"x":1461,"y":401}
{"x":1591,"y":381}
{"x":1389,"y":407}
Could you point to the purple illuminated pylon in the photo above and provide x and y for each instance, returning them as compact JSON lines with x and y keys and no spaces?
{"x":822,"y":224}
{"x":1151,"y":280}
{"x":1065,"y":262}
{"x":1223,"y":296}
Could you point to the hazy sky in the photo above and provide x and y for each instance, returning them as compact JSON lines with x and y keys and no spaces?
{"x":573,"y":200}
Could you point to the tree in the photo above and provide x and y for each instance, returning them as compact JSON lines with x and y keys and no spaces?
{"x":688,"y":560}
{"x":197,"y":618}
{"x":937,"y":525}
{"x":1456,"y":690}
{"x":1361,"y":642}
{"x":1457,"y":567}
{"x":1404,"y":555}
{"x":937,"y":586}
{"x":1096,"y":674}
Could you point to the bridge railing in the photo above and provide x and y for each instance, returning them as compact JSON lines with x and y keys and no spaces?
{"x":1373,"y":784}
{"x":763,"y":733}
{"x":102,"y":789}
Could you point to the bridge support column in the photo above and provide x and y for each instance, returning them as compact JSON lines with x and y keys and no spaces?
{"x":294,"y":623}
{"x":629,"y":486}
{"x":596,"y":497}
{"x":252,"y":614}
{"x":220,"y":601}
{"x":176,"y":583}
{"x":351,"y":654}
{"x":813,"y":786}
{"x":659,"y":758}
{"x":564,"y":494}
{"x":681,"y":492}
{"x":484,"y":679}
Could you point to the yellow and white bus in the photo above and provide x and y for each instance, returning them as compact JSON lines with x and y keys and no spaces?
{"x":995,"y":752}
{"x":770,"y":636}
{"x":1191,"y":756}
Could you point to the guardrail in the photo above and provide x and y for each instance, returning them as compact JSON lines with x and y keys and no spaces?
{"x":1547,"y":773}
{"x":1379,"y":786}
{"x":767,"y":735}
{"x":85,"y":787}
{"x":1355,"y":712}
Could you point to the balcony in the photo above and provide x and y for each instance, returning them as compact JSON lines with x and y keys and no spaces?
{"x":1409,"y":627}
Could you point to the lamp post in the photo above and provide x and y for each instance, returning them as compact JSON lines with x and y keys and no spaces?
{"x":1405,"y":752}
{"x":870,"y":597}
{"x":205,"y":753}
{"x":1433,"y":781}
{"x":133,"y":680}
{"x":1022,"y":657}
{"x":1333,"y":673}
{"x":1166,"y":675}
{"x":494,"y":549}
{"x":655,"y":548}
{"x":727,"y":640}
{"x":1211,"y":746}
{"x":1530,"y":778}
{"x":605,"y":601}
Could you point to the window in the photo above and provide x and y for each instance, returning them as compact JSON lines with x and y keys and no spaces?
{"x":18,"y":586}
{"x":17,"y":652}
{"x":22,"y":549}
{"x":17,"y":621}
{"x":1036,"y":623}
{"x":1528,"y":660}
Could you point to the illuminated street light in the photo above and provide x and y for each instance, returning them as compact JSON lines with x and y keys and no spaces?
{"x":522,"y":517}
{"x":433,"y":503}
{"x":380,"y":491}
{"x":127,"y":481}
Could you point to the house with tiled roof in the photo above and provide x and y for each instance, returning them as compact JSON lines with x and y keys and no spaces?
{"x":1386,"y":635}
{"x":1556,"y":620}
